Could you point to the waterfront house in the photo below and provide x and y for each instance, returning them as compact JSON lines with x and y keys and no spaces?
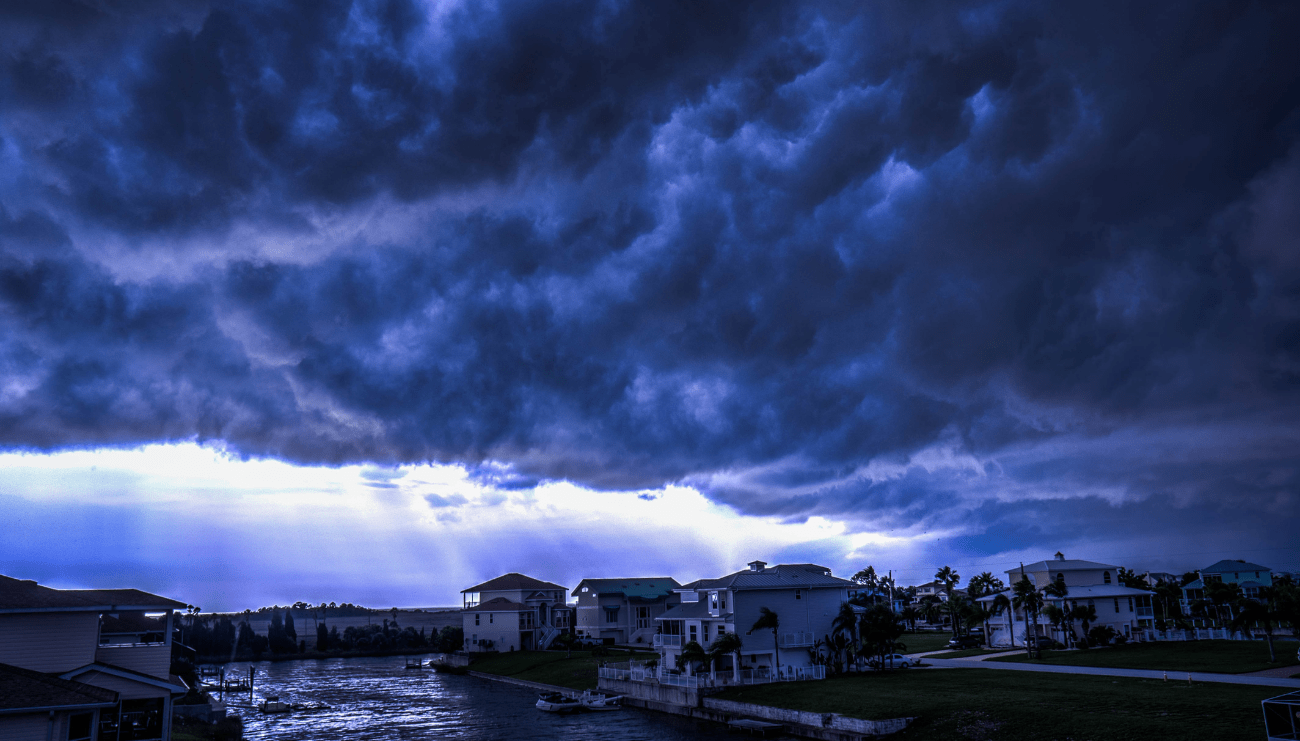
{"x":85,"y":664}
{"x":1088,"y":583}
{"x":514,"y":612}
{"x":805,"y":597}
{"x":623,"y":610}
{"x":1249,"y":578}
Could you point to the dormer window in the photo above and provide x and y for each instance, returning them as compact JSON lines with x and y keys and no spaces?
{"x":1105,"y":577}
{"x":1060,"y":577}
{"x":713,"y":601}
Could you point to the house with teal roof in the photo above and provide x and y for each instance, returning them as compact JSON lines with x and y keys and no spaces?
{"x":623,"y":610}
{"x":1249,"y":577}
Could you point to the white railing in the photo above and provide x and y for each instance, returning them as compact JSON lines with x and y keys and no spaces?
{"x":791,"y":640}
{"x":663,"y":640}
{"x":637,"y":671}
{"x":1193,"y":634}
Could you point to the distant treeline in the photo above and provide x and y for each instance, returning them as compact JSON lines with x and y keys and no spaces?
{"x":221,"y":637}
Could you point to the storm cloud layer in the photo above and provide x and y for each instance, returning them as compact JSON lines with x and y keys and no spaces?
{"x":1007,"y":268}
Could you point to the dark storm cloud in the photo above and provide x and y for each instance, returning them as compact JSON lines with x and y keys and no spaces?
{"x":901,"y":264}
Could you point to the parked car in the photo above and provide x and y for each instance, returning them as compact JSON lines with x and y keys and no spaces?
{"x":1045,"y":643}
{"x":966,"y":642}
{"x":892,"y":661}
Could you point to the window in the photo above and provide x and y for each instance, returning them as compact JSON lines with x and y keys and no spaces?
{"x":476,"y":618}
{"x":706,"y":633}
{"x":611,"y":614}
{"x":492,"y":617}
{"x":798,"y":594}
{"x":713,"y":601}
{"x":1256,"y":574}
{"x":722,"y":630}
{"x":1130,"y":604}
{"x":1105,"y":577}
{"x":1060,"y":577}
{"x":1117,"y":604}
{"x":693,"y":634}
{"x":724,"y":600}
{"x":79,"y":727}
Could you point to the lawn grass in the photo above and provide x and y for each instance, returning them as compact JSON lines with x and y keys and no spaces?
{"x":553,"y":667}
{"x":919,"y":642}
{"x":1228,"y":657}
{"x":988,"y":704}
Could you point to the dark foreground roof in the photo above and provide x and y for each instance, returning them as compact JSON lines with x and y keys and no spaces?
{"x":511,"y":581}
{"x":781,"y":576}
{"x":1227,"y":566}
{"x":23,"y":690}
{"x":24,"y":595}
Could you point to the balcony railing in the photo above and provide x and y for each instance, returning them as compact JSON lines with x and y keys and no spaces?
{"x":670,"y":641}
{"x":1145,"y":612}
{"x":635,"y":671}
{"x":792,"y":640}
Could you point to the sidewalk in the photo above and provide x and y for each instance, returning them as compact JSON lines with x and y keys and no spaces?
{"x":973,"y":662}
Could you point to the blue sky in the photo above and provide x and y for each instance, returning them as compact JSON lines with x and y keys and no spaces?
{"x":370,"y":301}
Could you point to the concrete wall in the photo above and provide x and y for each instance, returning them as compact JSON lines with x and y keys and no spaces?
{"x":500,"y":627}
{"x":655,"y":693}
{"x":449,"y":659}
{"x":49,"y":642}
{"x":798,"y":717}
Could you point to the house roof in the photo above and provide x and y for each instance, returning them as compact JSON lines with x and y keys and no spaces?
{"x":24,"y":595}
{"x":1226,"y":566}
{"x":1063,"y":564}
{"x":511,"y":581}
{"x":781,"y":576}
{"x":171,"y":682}
{"x":23,"y":690}
{"x":497,"y":604}
{"x":634,"y":588}
{"x":690,"y":611}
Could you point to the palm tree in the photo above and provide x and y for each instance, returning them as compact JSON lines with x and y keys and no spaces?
{"x":691,"y":653}
{"x":1086,"y":614}
{"x":1028,"y":599}
{"x":868,"y":579}
{"x":846,"y":621}
{"x":880,"y":629}
{"x":1058,"y":590}
{"x":910,"y":615}
{"x":949,"y":579}
{"x":979,"y":615}
{"x":769,"y":619}
{"x":727,"y":643}
{"x":1002,"y":602}
{"x":985,"y":583}
{"x":1262,"y":611}
{"x":886,"y":586}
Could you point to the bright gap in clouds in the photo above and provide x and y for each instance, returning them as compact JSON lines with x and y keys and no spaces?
{"x":196,"y":524}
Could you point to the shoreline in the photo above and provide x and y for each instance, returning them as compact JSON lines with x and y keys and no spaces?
{"x":310,"y":656}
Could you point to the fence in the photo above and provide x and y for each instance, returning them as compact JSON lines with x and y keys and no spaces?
{"x":639,"y":671}
{"x":1194,"y":634}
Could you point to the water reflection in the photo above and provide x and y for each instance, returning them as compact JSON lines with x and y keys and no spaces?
{"x":376,"y":698}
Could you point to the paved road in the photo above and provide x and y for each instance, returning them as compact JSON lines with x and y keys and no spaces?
{"x":1109,"y":672}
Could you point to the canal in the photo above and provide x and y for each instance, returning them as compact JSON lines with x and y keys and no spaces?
{"x":376,"y":698}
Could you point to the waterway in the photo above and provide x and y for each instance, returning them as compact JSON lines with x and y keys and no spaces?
{"x":376,"y":698}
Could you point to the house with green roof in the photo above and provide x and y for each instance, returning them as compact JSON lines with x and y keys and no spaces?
{"x":623,"y":610}
{"x":1249,"y":578}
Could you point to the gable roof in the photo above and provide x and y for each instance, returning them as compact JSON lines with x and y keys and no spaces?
{"x":689,"y":611}
{"x":1065,"y":564}
{"x":781,"y":576}
{"x":1226,"y":566}
{"x":26,"y":691}
{"x":511,"y":581}
{"x":635,"y":588}
{"x":25,"y":595}
{"x":172,"y":682}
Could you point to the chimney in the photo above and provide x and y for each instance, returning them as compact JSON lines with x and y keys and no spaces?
{"x":757,"y":565}
{"x":1060,"y":556}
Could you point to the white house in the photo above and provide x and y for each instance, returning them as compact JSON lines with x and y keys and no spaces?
{"x":1087,"y":583}
{"x":805,"y":597}
{"x":623,"y":610}
{"x":514,"y":612}
{"x":85,"y":664}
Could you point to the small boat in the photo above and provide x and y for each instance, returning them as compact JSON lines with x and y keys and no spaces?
{"x":600,"y":701}
{"x":414,"y":663}
{"x":554,"y":702}
{"x":273,"y":705}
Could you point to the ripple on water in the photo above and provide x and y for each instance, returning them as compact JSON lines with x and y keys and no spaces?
{"x":377,"y":698}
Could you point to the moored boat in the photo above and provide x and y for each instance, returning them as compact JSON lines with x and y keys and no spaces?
{"x":273,"y":705}
{"x":554,"y":702}
{"x":600,"y":701}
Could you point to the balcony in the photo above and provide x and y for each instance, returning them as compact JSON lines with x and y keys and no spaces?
{"x":796,"y":639}
{"x":1145,"y":612}
{"x":669,"y":641}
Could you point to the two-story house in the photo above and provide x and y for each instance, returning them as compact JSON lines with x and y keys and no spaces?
{"x":805,"y":598}
{"x":1249,"y":578}
{"x":85,"y":664}
{"x":1087,"y":583}
{"x":514,"y":612}
{"x":623,"y":610}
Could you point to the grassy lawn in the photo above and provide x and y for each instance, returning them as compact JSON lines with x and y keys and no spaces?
{"x":921,"y":642}
{"x":989,"y":704}
{"x":1228,"y":657}
{"x":552,"y":667}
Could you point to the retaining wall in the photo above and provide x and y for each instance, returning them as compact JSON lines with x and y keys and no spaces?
{"x":833,"y":721}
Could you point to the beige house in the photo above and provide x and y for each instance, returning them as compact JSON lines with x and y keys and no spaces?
{"x":514,"y":612}
{"x":1088,"y":583}
{"x":623,"y":610}
{"x":85,"y":664}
